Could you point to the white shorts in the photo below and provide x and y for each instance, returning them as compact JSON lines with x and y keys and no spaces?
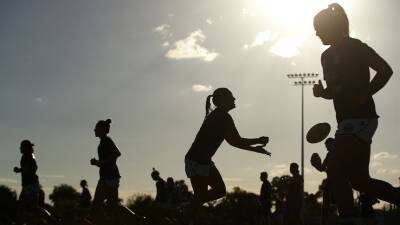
{"x":193,"y":168}
{"x":362,"y":128}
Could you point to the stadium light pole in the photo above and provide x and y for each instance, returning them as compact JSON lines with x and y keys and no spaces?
{"x":301,"y":80}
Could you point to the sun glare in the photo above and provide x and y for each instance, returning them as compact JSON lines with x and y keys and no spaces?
{"x":295,"y":15}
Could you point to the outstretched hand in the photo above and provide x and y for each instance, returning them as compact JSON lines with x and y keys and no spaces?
{"x":318,"y":89}
{"x":263,"y":140}
{"x":316,"y":161}
{"x":17,"y":169}
{"x":94,"y":162}
{"x":262,"y":150}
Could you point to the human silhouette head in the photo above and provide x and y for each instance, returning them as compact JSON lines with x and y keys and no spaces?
{"x":330,"y":144}
{"x":155,"y":175}
{"x":102,"y":128}
{"x":26,"y":147}
{"x":222,"y":98}
{"x":170,"y":182}
{"x":331,"y":24}
{"x":294,"y":169}
{"x":264,"y":176}
{"x":83,"y":184}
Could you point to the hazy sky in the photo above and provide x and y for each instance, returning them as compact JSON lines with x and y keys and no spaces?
{"x":149,"y":65}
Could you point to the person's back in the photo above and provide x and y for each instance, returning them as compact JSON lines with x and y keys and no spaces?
{"x":294,"y":198}
{"x":265,"y":193}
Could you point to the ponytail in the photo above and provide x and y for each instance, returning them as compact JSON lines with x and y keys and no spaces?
{"x":341,"y":17}
{"x":208,"y":105}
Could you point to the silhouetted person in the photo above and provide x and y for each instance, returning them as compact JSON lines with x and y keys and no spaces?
{"x":294,"y":198}
{"x":322,"y":166}
{"x":86,"y":197}
{"x":161,"y":185}
{"x":107,"y":187}
{"x":346,"y":65}
{"x":217,"y":126}
{"x":31,"y":199}
{"x":171,"y":191}
{"x":266,"y":195}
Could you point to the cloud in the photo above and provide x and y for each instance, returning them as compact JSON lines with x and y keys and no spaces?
{"x":165,"y":44}
{"x":384,"y":155}
{"x":201,"y":88}
{"x":263,"y":37}
{"x":164,"y":30}
{"x":233,"y":179}
{"x":8,"y":180}
{"x":286,"y":47}
{"x":279,"y":170}
{"x":189,"y":48}
{"x":387,"y":171}
{"x":53,"y":176}
{"x":209,"y":21}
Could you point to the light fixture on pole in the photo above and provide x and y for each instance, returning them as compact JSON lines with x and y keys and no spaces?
{"x":303,"y":79}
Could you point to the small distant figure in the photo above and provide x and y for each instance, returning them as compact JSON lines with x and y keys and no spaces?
{"x":86,"y":197}
{"x":217,"y":126}
{"x":266,"y":196}
{"x":107,"y":187}
{"x":31,"y":199}
{"x":161,"y":185}
{"x":171,"y":192}
{"x":293,"y":211}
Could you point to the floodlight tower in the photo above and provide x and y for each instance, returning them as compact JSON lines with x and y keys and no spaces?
{"x":303,"y":79}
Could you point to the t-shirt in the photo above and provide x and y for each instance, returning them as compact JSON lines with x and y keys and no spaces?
{"x":28,"y":170}
{"x":346,"y":72}
{"x":212,"y":133}
{"x":105,"y":149}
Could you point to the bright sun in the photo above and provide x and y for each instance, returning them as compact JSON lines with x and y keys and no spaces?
{"x":295,"y":15}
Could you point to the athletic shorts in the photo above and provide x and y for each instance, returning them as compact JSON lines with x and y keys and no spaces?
{"x":361,"y":128}
{"x":193,"y":168}
{"x":109,"y":183}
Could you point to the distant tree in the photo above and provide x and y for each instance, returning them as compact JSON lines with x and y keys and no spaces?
{"x":66,"y":202}
{"x":8,"y":205}
{"x":238,"y":207}
{"x":279,"y":188}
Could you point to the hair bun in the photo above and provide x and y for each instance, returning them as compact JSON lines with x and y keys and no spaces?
{"x":108,"y":121}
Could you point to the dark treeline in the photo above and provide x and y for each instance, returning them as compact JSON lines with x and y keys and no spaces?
{"x":239,"y":207}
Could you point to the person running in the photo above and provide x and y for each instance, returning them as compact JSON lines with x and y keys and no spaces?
{"x":161,"y":185}
{"x":107,"y":186}
{"x":30,"y":199}
{"x":346,"y":66}
{"x":294,"y":198}
{"x":266,"y":196}
{"x":217,"y":126}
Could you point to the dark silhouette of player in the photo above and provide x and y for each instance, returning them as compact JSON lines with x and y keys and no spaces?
{"x":31,"y":199}
{"x":266,"y":195}
{"x":366,"y":208}
{"x":161,"y":185}
{"x":172,"y":197}
{"x":107,"y":186}
{"x":217,"y":126}
{"x":346,"y":66}
{"x":294,"y":198}
{"x":326,"y":209}
{"x":86,"y":197}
